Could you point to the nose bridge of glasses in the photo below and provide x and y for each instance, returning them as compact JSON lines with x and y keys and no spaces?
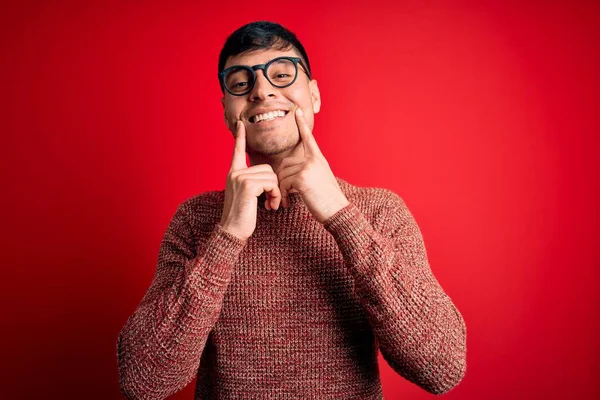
{"x":257,"y":85}
{"x":259,"y":66}
{"x":263,"y":68}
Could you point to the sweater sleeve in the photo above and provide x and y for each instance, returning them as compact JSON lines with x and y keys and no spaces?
{"x":160,"y":345}
{"x":420,"y":332}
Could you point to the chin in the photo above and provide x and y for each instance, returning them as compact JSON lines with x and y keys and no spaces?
{"x":274,"y":147}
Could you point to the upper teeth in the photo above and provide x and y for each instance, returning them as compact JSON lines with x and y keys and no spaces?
{"x":269,"y":115}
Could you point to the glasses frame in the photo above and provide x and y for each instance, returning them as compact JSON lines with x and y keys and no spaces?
{"x":252,"y":70}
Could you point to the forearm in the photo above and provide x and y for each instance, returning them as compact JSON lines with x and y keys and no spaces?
{"x":420,"y":331}
{"x":160,"y":346}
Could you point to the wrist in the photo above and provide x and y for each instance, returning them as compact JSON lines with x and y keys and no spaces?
{"x":226,"y":227}
{"x":330,"y":211}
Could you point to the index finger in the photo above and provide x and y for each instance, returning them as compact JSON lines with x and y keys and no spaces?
{"x":308,"y":139}
{"x":239,"y":151}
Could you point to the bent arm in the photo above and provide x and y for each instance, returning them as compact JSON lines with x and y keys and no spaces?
{"x":159,"y":348}
{"x":420,"y":332}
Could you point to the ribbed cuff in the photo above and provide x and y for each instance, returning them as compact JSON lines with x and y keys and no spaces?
{"x":220,"y":252}
{"x":347,"y":222}
{"x":357,"y":240}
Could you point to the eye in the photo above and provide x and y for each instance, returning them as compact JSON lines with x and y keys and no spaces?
{"x":239,"y":85}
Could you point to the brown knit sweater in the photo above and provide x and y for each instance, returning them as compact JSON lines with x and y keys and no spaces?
{"x":296,"y":311}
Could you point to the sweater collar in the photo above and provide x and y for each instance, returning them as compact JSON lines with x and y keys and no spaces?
{"x":295,"y":198}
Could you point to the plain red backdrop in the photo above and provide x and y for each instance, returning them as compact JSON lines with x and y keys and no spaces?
{"x":482,"y":116}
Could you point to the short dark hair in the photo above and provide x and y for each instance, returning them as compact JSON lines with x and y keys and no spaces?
{"x":261,"y":35}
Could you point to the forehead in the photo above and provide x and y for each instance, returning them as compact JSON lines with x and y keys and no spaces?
{"x":261,"y":56}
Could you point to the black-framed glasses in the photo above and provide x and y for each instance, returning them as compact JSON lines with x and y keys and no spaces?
{"x":280,"y":72}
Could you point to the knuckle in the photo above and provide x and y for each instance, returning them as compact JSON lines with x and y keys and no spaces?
{"x":239,"y":179}
{"x":268,"y":167}
{"x":303,"y":176}
{"x":245,"y":184}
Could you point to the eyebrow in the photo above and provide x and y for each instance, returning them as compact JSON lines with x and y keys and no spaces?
{"x":248,"y":65}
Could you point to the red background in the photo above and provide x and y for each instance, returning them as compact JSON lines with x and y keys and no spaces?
{"x":482,"y":116}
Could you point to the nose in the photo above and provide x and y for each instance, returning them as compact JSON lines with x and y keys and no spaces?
{"x":262,"y":88}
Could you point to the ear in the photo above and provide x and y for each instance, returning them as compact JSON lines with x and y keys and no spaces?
{"x":315,"y":95}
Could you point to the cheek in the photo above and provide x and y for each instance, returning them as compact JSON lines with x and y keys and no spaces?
{"x":232,"y":115}
{"x":233,"y":109}
{"x":301,"y":97}
{"x":229,"y":112}
{"x":297,"y":96}
{"x":230,"y":120}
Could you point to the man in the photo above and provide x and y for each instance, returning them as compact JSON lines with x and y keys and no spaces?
{"x":286,"y":283}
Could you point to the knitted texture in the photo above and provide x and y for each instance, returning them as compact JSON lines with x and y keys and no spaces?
{"x":296,"y":311}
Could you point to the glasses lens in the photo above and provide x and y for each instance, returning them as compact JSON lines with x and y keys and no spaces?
{"x":238,"y":80}
{"x":282,"y":72}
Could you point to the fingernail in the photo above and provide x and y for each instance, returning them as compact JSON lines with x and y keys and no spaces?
{"x":299,"y":111}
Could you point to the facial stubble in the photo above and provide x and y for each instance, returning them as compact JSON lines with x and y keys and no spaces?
{"x":268,"y":143}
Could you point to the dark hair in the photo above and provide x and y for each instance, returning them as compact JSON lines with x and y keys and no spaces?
{"x":260,"y":35}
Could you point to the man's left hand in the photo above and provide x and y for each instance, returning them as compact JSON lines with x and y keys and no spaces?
{"x":311,"y":176}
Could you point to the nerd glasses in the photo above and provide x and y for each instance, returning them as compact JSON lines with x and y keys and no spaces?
{"x":280,"y":72}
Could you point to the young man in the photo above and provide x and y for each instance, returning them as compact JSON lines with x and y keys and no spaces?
{"x":286,"y":283}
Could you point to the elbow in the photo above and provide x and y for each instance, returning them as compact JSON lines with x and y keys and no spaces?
{"x":448,"y":379}
{"x":132,"y":387}
{"x":437,"y":364}
{"x":451,"y":368}
{"x":131,"y":390}
{"x":132,"y":384}
{"x":441,"y":376}
{"x":131,"y":376}
{"x":128,"y":391}
{"x":136,"y":384}
{"x":142,"y":376}
{"x":438,"y":372}
{"x":437,"y":375}
{"x":127,"y":384}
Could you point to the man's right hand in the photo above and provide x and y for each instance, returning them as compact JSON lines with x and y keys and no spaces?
{"x":244,"y":185}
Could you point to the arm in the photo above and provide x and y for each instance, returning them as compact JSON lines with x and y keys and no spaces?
{"x":159,"y":348}
{"x":421,"y":334}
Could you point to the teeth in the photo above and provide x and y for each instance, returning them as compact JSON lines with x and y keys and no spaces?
{"x":268,"y":116}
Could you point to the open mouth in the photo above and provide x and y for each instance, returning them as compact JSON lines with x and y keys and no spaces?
{"x":267,"y":117}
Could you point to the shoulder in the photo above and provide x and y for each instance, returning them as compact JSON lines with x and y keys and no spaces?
{"x":371,"y":200}
{"x":382,"y":207}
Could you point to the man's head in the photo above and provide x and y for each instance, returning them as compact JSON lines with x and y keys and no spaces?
{"x":252,"y":45}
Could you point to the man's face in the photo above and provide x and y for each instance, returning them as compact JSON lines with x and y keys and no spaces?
{"x":271,"y":137}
